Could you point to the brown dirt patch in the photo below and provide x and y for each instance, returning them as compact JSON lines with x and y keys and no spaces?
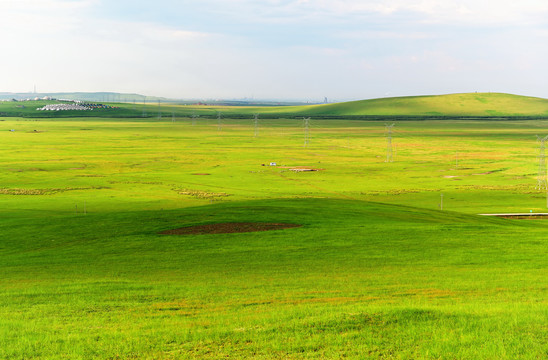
{"x":201,"y":174}
{"x":303,"y":168}
{"x":300,"y":168}
{"x":524,"y":217}
{"x":228,"y":228}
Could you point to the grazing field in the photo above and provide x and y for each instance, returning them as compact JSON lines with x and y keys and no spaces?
{"x":375,"y":270}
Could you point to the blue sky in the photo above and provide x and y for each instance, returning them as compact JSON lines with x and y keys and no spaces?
{"x":275,"y":49}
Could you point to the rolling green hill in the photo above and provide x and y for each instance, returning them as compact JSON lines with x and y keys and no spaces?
{"x":465,"y":105}
{"x":471,"y":104}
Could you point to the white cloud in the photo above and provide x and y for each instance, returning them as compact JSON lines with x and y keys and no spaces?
{"x":39,"y":17}
{"x":384,"y":34}
{"x":63,"y":46}
{"x":321,"y":47}
{"x":479,"y":12}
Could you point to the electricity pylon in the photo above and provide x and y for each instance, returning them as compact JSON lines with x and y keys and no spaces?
{"x":145,"y":106}
{"x":541,"y":179}
{"x":256,"y":125}
{"x":219,"y":124}
{"x":389,"y":142}
{"x":306,"y":130}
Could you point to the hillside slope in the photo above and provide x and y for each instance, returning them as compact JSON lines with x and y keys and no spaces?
{"x":470,"y":104}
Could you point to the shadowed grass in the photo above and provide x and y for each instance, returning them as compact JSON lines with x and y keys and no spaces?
{"x":358,"y":279}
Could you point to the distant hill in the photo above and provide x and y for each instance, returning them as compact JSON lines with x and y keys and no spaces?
{"x":114,"y":97}
{"x":469,"y":104}
{"x":84,"y":96}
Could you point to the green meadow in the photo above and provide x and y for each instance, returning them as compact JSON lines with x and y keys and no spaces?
{"x":391,"y":259}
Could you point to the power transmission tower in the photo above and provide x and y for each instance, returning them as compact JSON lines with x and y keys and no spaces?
{"x":159,"y":110}
{"x":306,"y":130}
{"x":441,"y":201}
{"x":173,"y":116}
{"x":389,"y":142}
{"x":194,"y":116}
{"x":144,"y":106}
{"x":541,"y":179}
{"x":256,"y":125}
{"x":219,"y":123}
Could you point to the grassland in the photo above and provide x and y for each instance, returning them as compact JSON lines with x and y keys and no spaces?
{"x":377,"y":270}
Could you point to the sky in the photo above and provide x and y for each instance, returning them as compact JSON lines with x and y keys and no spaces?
{"x":275,"y":49}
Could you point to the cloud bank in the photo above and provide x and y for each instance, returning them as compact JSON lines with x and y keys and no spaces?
{"x":302,"y":49}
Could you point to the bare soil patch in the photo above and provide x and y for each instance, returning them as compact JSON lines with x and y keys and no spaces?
{"x":303,"y":168}
{"x":228,"y":228}
{"x":523,"y":216}
{"x":300,"y":168}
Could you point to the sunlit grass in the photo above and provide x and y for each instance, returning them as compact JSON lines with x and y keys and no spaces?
{"x":376,"y":270}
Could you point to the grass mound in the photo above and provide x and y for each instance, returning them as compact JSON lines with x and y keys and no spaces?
{"x":451,"y":105}
{"x":470,"y":104}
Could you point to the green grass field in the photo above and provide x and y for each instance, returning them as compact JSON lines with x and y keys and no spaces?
{"x":377,"y":269}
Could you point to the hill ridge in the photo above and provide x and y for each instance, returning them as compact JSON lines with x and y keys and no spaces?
{"x":460,"y":104}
